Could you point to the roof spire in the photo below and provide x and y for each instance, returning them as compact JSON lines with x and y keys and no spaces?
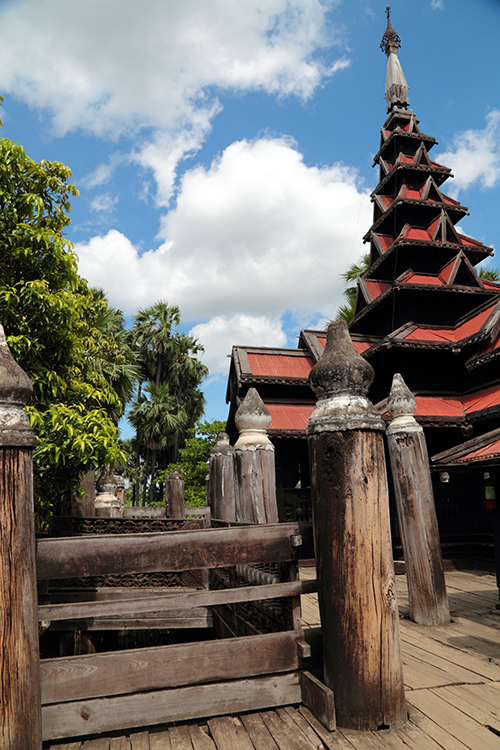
{"x":396,"y":88}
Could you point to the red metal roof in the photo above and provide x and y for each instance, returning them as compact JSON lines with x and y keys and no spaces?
{"x":490,"y":284}
{"x":289,"y":416}
{"x":385,"y":240}
{"x":280,"y":365}
{"x":439,"y":406}
{"x":431,"y":334}
{"x":416,"y":278}
{"x":362,"y":346}
{"x":482,"y":400}
{"x":469,"y":328}
{"x":376,"y":288}
{"x":450,"y":406}
{"x":446,"y":271}
{"x":487,"y":451}
{"x":412,"y":233}
{"x":472,"y":326}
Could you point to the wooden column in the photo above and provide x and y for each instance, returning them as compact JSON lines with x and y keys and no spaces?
{"x":355,"y":570}
{"x":221,"y":485}
{"x":20,"y":712}
{"x":254,"y":459}
{"x":174,"y":494}
{"x":416,"y":509}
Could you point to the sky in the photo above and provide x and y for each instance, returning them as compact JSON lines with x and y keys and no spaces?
{"x":223,"y":149}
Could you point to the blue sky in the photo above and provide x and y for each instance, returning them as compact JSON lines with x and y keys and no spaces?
{"x":223,"y":148}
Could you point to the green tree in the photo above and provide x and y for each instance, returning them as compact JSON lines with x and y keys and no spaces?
{"x":351,"y":276}
{"x":51,"y":321}
{"x":169,"y":399}
{"x":193,"y":460}
{"x":490,"y":274}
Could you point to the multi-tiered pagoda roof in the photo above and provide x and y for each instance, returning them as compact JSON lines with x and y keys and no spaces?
{"x":421,"y":307}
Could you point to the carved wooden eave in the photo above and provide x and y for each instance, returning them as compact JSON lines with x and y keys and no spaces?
{"x":453,"y":455}
{"x":404,"y":134}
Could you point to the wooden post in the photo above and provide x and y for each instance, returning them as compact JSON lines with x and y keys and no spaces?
{"x":254,"y":459}
{"x":355,"y":570}
{"x":416,"y":509}
{"x":20,"y":712}
{"x":221,"y":485}
{"x":174,"y":494}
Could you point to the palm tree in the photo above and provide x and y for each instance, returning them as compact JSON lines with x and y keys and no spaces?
{"x":169,"y":400}
{"x":351,"y":276}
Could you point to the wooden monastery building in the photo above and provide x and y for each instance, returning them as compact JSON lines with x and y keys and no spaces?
{"x":421,"y":310}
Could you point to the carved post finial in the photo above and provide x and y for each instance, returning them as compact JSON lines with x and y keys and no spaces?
{"x":401,"y":405}
{"x":252,"y":420}
{"x":15,"y":393}
{"x":341,"y":379}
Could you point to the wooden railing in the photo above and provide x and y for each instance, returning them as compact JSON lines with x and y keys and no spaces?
{"x":94,"y":693}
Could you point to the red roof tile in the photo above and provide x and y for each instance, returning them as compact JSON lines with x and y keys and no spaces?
{"x":362,"y":346}
{"x":280,"y":365}
{"x":376,"y":288}
{"x":469,"y":328}
{"x":431,"y":334}
{"x":487,"y":451}
{"x":385,"y":240}
{"x":482,"y":400}
{"x":439,"y":406}
{"x":412,"y":233}
{"x":446,"y":272}
{"x":289,"y":416}
{"x":415,"y":278}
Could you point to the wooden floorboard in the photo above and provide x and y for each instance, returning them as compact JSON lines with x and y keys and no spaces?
{"x":452,"y":678}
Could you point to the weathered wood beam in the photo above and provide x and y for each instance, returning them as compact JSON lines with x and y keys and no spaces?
{"x":254,"y":460}
{"x":356,"y":584}
{"x":416,"y":510}
{"x":158,"y":605}
{"x":80,"y":718}
{"x":222,"y":486}
{"x":174,"y":495}
{"x":94,"y":555}
{"x":75,"y":678}
{"x":20,"y":725}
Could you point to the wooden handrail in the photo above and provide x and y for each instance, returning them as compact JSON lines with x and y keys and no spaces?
{"x":92,"y":555}
{"x":157,"y":605}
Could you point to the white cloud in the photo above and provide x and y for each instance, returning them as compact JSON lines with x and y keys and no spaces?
{"x":104,"y":172}
{"x":254,"y":235}
{"x":112,"y":67}
{"x":475,"y":156}
{"x":437,"y":4}
{"x":103,"y":203}
{"x":225,"y":331}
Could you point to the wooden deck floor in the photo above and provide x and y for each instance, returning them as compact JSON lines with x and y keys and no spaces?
{"x":452,"y":679}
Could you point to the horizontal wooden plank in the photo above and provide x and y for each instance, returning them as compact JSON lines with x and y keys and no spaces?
{"x":93,"y":555}
{"x":164,"y":604}
{"x":81,"y":718}
{"x":73,"y":678}
{"x":319,"y":699}
{"x":185,"y":620}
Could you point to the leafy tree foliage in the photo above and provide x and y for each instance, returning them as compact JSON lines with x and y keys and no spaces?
{"x":490,"y":274}
{"x":193,"y":460}
{"x":351,"y":276}
{"x":169,"y":399}
{"x":55,"y":327}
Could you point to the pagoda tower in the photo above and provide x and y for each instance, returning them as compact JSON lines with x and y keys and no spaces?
{"x":421,"y":308}
{"x":421,"y":311}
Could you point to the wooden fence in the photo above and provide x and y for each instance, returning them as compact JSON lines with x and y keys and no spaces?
{"x":115,"y":690}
